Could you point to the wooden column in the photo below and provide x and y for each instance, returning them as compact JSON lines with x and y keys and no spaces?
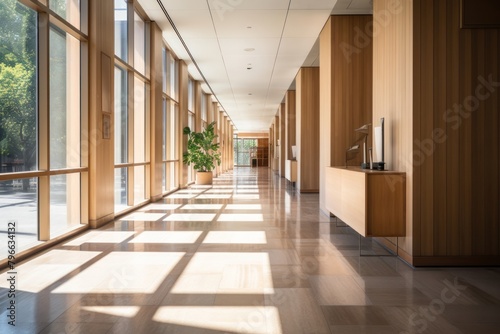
{"x":282,"y":152}
{"x":307,"y":112}
{"x":290,"y":123}
{"x":345,"y":90}
{"x":437,"y":85}
{"x":101,"y":150}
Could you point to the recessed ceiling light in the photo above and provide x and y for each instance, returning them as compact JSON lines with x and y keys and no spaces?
{"x":249,"y":93}
{"x":249,"y":49}
{"x":249,"y":27}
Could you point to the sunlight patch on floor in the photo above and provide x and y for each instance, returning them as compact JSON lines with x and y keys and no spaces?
{"x":167,"y":237}
{"x":233,"y":319}
{"x":143,"y":216}
{"x":101,"y":237}
{"x":123,"y":272}
{"x":226,"y":272}
{"x":243,"y":207}
{"x":240,"y":217}
{"x":160,"y":206}
{"x":46,"y":269}
{"x":190,"y":217}
{"x":202,"y":207}
{"x":235,"y":237}
{"x":119,"y":311}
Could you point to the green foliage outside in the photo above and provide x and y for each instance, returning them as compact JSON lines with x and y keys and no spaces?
{"x":202,"y":150}
{"x":17,"y":84}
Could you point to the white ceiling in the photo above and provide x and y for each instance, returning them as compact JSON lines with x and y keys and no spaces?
{"x":281,"y":35}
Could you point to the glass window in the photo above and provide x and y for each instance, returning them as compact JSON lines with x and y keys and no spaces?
{"x":19,"y":204}
{"x":139,"y":44}
{"x":139,"y":120}
{"x":191,"y":95}
{"x":18,"y":91}
{"x":171,"y":75}
{"x":204,"y":113}
{"x":121,"y":30}
{"x":121,"y":189}
{"x":164,"y":70}
{"x":139,"y":184}
{"x":64,"y":203}
{"x":131,"y":108}
{"x":21,"y":114}
{"x":170,"y":150}
{"x":173,"y":121}
{"x":121,"y":116}
{"x":64,"y":100}
{"x":68,"y":10}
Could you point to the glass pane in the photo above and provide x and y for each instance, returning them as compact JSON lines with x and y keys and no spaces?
{"x":121,"y":182}
{"x":172,"y":131}
{"x":204,"y":108}
{"x":174,"y":126}
{"x":121,"y":34}
{"x":164,"y":131}
{"x":191,"y":95}
{"x":139,"y":121}
{"x":18,"y":203}
{"x":164,"y":67}
{"x":164,"y":177}
{"x":121,"y":116}
{"x":18,"y":90}
{"x":171,"y":175}
{"x":68,"y":10}
{"x":171,"y":76}
{"x":139,"y":44}
{"x":64,"y":100}
{"x":139,"y":184}
{"x":64,"y":203}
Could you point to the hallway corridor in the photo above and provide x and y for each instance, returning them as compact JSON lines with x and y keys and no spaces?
{"x":248,"y":255}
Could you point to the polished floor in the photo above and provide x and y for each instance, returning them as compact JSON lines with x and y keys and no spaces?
{"x":248,"y":255}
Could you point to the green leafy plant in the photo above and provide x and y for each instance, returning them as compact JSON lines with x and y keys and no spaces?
{"x":202,"y":150}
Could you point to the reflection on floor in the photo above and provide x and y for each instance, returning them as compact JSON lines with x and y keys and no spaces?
{"x":248,"y":255}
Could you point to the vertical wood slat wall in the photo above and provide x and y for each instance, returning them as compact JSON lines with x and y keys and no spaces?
{"x":459,"y":177}
{"x":393,"y":98}
{"x":345,"y":88}
{"x":438,"y":85}
{"x":101,"y":160}
{"x":282,"y":129}
{"x":307,"y":129}
{"x":350,"y":82}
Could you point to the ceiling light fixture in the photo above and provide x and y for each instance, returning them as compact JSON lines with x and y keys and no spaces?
{"x":249,"y":49}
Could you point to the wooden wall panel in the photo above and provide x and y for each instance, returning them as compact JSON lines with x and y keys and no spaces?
{"x":307,"y":131}
{"x":456,"y":138}
{"x":325,"y":109}
{"x":282,"y":129}
{"x":101,"y":157}
{"x":350,"y":81}
{"x":290,"y":124}
{"x":393,"y":96}
{"x":346,"y":58}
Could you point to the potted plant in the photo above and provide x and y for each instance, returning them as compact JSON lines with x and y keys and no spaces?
{"x":202,"y":152}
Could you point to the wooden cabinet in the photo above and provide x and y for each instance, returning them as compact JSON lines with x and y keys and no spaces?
{"x":291,"y":170}
{"x":373,"y":203}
